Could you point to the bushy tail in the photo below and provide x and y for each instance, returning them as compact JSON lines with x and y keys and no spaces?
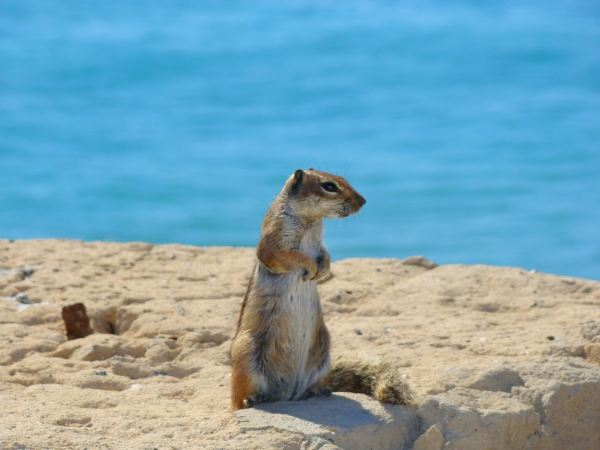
{"x":375,"y":378}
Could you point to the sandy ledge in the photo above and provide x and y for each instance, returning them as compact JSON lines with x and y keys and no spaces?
{"x":500,"y":357}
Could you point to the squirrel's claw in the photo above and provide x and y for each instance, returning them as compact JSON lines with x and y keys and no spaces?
{"x":306,"y":276}
{"x":256,"y":399}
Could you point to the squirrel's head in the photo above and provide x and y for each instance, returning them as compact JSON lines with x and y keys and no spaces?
{"x":317,"y":195}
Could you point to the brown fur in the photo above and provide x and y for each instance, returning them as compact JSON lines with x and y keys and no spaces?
{"x":281,"y":347}
{"x":378,"y":379}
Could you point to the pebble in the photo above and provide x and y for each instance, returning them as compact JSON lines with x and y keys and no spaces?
{"x":22,"y":299}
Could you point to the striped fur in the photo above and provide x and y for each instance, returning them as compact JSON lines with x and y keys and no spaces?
{"x":281,"y":347}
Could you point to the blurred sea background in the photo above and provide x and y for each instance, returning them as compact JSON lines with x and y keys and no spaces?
{"x":471,"y":127}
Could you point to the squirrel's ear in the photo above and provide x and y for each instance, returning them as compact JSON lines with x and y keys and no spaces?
{"x":297,"y":181}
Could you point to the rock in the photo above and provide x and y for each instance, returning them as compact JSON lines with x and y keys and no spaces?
{"x":566,"y":395}
{"x":97,"y":347}
{"x":592,"y":352}
{"x":347,"y":421}
{"x":199,"y":339}
{"x":477,"y":420}
{"x":162,"y":350}
{"x":497,"y":379}
{"x":591,"y":331}
{"x":419,"y":261}
{"x":156,"y":372}
{"x":560,"y":396}
{"x":566,"y":349}
{"x":500,"y":378}
{"x":93,"y":352}
{"x":432,"y":439}
{"x":22,"y":299}
{"x":17,"y":274}
{"x":539,"y":405}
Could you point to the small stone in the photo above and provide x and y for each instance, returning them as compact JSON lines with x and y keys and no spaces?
{"x":22,"y":299}
{"x":357,"y":331}
{"x":419,"y":261}
{"x":592,"y":352}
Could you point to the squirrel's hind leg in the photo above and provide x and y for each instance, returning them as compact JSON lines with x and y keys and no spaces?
{"x":248,"y":388}
{"x":240,"y":387}
{"x":319,"y":363}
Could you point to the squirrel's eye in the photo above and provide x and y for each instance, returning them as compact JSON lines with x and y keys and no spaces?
{"x":330,"y":187}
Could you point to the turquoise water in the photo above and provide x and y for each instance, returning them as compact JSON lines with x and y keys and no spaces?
{"x":472,"y":128}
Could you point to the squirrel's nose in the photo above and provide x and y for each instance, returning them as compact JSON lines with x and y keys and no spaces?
{"x":361,"y":200}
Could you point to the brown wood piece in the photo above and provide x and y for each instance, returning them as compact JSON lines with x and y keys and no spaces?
{"x":76,"y":321}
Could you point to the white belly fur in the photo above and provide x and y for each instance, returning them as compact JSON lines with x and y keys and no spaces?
{"x":303,"y":307}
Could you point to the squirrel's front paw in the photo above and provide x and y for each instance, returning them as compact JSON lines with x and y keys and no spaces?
{"x":310,"y":272}
{"x":323,"y":263}
{"x":307,"y":276}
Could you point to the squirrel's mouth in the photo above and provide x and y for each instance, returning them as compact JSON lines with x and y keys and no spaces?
{"x":348,"y":209}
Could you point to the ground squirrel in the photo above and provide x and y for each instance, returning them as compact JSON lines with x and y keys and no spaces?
{"x":281,"y":347}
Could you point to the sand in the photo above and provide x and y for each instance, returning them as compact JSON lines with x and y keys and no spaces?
{"x":162,"y":379}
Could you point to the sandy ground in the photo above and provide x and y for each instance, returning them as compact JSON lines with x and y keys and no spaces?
{"x":162,"y":379}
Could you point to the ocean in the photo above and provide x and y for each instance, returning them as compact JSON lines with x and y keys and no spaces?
{"x":472,"y":128}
